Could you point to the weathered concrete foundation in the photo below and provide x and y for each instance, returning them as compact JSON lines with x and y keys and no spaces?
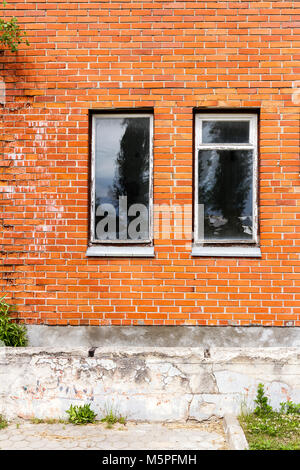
{"x":145,"y":383}
{"x":163,"y":336}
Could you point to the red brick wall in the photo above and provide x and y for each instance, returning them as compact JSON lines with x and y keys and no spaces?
{"x":172,"y":56}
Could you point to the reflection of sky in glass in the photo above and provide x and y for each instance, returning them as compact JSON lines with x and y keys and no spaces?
{"x":109,"y":132}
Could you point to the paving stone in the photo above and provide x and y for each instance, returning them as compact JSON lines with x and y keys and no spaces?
{"x":169,"y":436}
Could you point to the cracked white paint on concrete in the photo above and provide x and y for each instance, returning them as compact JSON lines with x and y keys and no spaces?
{"x":145,"y":384}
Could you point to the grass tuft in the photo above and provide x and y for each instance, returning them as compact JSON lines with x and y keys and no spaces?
{"x":3,"y":422}
{"x":267,"y":429}
{"x":112,"y":418}
{"x":47,"y":421}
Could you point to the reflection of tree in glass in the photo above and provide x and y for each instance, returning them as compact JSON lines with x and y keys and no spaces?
{"x":225,"y":131}
{"x":131,"y":168}
{"x":226,"y":195}
{"x":132,"y":165}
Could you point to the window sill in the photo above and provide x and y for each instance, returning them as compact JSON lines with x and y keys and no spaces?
{"x":124,"y":251}
{"x":226,"y":251}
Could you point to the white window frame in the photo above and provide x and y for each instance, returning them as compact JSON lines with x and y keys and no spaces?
{"x":94,"y":241}
{"x":252,"y":145}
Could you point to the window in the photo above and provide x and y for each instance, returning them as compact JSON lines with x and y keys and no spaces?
{"x":121,"y":184}
{"x":225,"y":183}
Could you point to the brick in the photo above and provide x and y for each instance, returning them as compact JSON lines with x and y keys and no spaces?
{"x":171,"y":58}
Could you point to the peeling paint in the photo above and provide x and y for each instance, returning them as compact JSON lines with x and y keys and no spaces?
{"x":156,"y":384}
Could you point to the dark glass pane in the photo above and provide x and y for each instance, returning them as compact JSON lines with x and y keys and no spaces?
{"x":122,"y":170}
{"x":225,"y":189}
{"x":225,"y":132}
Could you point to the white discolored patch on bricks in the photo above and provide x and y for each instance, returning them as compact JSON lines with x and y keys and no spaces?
{"x":296,"y":92}
{"x":2,"y":91}
{"x":7,"y":189}
{"x":41,"y":133}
